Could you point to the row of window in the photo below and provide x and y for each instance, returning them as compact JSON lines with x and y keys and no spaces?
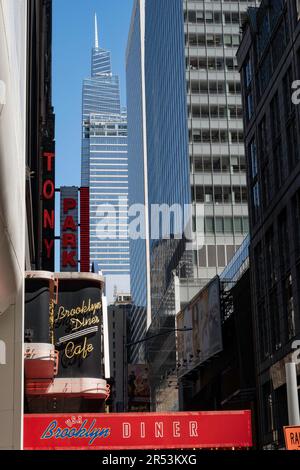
{"x":97,"y":133}
{"x":219,"y":194}
{"x":212,"y":40}
{"x":201,"y":17}
{"x":212,"y":63}
{"x":215,"y":112}
{"x":214,"y":87}
{"x":277,"y":158}
{"x":276,"y":282}
{"x":216,"y":136}
{"x":212,"y":256}
{"x":221,"y":225}
{"x":218,"y":164}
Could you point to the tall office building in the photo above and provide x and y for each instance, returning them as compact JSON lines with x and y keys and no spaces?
{"x":104,"y":165}
{"x":269,"y":60}
{"x":158,"y":150}
{"x":138,"y":178}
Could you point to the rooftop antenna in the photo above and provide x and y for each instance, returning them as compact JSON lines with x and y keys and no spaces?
{"x":96,"y":33}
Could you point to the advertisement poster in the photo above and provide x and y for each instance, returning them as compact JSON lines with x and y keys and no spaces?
{"x":202,"y":319}
{"x":138,"y":387}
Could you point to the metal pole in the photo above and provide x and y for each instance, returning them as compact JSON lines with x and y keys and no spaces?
{"x":292,"y":394}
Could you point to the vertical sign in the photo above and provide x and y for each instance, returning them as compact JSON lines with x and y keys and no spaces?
{"x":69,"y":229}
{"x":85,"y":230}
{"x":48,"y":215}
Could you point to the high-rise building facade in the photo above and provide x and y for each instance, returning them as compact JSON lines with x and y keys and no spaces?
{"x":215,"y":123}
{"x":138,"y":178}
{"x":269,"y":60}
{"x":158,"y":150}
{"x":104,"y":164}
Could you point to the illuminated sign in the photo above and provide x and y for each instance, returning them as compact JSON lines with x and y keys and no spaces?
{"x":292,"y":437}
{"x":69,"y":229}
{"x":77,"y":329}
{"x":48,"y":215}
{"x":224,"y":429}
{"x":85,"y":230}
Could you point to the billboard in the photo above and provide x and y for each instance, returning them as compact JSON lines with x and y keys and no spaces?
{"x":216,"y":429}
{"x":69,"y":229}
{"x":202,"y":319}
{"x":138,"y":387}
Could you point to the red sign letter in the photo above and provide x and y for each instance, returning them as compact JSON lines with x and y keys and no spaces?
{"x":69,"y":204}
{"x":49,"y":247}
{"x":69,"y":224}
{"x":48,"y":189}
{"x":48,"y":219}
{"x":69,"y":239}
{"x":68,"y":259}
{"x":49,"y":157}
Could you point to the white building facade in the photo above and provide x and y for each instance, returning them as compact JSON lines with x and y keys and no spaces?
{"x":13,"y":18}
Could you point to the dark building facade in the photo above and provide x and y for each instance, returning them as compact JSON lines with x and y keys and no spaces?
{"x":40,"y":179}
{"x":226,"y":380}
{"x":269,"y":61}
{"x":118,"y":325}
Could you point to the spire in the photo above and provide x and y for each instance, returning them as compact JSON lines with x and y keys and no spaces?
{"x":96,"y":33}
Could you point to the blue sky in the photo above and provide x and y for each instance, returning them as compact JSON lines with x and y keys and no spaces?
{"x":73,"y":37}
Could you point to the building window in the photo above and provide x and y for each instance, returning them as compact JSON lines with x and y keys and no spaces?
{"x":292,"y":144}
{"x":259,"y":271}
{"x":230,"y":251}
{"x":202,"y":257}
{"x":211,"y":254}
{"x":287,"y":87}
{"x":263,"y":138}
{"x":248,"y":73}
{"x":274,"y":319}
{"x":209,"y":225}
{"x":219,"y":225}
{"x":255,"y":201}
{"x":271,"y":259}
{"x":228,"y":225}
{"x":263,"y":331}
{"x":253,"y":158}
{"x":289,"y":306}
{"x":283,"y":242}
{"x":221,"y":255}
{"x":238,"y":225}
{"x":296,"y":223}
{"x":298,"y":9}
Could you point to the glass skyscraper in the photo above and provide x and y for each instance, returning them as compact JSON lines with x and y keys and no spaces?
{"x":105,"y":165}
{"x":158,"y":147}
{"x":138,"y":186}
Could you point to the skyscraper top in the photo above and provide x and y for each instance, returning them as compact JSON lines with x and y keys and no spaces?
{"x":96,"y":33}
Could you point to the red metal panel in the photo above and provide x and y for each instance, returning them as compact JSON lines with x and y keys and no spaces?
{"x":84,"y":230}
{"x":225,"y":429}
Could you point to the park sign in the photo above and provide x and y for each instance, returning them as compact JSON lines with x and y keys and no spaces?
{"x":69,"y":229}
{"x":186,"y":430}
